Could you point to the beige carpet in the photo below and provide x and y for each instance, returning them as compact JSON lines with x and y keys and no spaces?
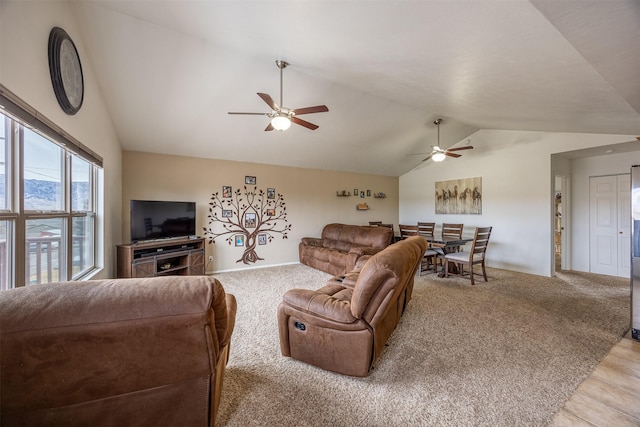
{"x":504,"y":353}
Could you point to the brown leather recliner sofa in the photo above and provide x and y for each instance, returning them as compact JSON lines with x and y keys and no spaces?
{"x":343,"y":326}
{"x":122,"y":352}
{"x":341,"y":245}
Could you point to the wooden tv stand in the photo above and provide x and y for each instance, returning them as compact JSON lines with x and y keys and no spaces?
{"x":162,"y":257}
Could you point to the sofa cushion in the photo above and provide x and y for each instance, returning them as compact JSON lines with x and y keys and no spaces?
{"x":332,"y":231}
{"x":372,"y":237}
{"x":339,"y":245}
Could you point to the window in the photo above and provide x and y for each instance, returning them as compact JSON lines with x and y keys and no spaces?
{"x":6,"y":219}
{"x":4,"y":165}
{"x":47,"y":207}
{"x":5,"y":240}
{"x":43,"y":164}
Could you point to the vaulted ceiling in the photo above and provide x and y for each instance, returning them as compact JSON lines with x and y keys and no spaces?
{"x":171,"y":70}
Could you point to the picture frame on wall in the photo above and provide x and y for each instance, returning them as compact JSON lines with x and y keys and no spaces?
{"x":227,"y":213}
{"x":239,"y":239}
{"x":271,"y":193}
{"x":250,"y":220}
{"x":362,"y":194}
{"x":271,"y":212}
{"x":250,"y":180}
{"x":226,"y":191}
{"x":355,"y":192}
{"x":459,"y":196}
{"x":368,"y":193}
{"x":262,"y":239}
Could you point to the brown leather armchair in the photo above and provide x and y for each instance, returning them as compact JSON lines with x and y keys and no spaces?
{"x":342,"y":328}
{"x":134,"y":352}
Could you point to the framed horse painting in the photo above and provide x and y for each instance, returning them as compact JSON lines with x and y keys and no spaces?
{"x":459,"y":196}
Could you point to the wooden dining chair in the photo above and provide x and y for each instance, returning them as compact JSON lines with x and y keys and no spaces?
{"x":408,"y":231}
{"x":475,"y":256}
{"x":449,"y":230}
{"x":454,"y":230}
{"x":426,"y":230}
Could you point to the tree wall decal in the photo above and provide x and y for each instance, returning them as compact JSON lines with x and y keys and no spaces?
{"x":250,"y":213}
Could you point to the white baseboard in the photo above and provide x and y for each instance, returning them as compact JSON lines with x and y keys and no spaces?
{"x":249,"y":268}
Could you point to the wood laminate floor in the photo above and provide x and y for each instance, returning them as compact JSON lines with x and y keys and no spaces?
{"x":610,"y":396}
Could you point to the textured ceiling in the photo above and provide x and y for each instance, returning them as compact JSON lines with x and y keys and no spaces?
{"x":171,"y":70}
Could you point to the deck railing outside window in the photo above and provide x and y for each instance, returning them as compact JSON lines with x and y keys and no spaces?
{"x":4,"y":280}
{"x":43,"y":259}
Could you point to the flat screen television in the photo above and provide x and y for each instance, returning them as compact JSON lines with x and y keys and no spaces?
{"x":154,"y":219}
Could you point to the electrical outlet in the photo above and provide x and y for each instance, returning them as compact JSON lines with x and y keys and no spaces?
{"x":210,"y":258}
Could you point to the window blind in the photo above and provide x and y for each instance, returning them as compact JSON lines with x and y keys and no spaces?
{"x":16,"y":108}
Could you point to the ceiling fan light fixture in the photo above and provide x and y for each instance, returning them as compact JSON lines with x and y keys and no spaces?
{"x":438,"y":157}
{"x":281,"y":122}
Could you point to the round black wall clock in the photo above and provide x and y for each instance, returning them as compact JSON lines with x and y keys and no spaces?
{"x":66,"y":71}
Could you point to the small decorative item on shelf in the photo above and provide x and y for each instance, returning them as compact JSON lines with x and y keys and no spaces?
{"x":362,"y":206}
{"x":379,"y":195}
{"x":343,"y":193}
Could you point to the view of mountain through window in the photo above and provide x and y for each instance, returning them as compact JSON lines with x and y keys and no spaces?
{"x":54,"y":211}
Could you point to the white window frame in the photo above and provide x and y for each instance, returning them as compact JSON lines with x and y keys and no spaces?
{"x":22,"y":116}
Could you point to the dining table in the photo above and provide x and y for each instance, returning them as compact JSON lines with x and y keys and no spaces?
{"x":447,"y":244}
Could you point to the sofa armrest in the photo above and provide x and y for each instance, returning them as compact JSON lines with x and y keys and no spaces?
{"x":358,"y":250}
{"x":329,"y":302}
{"x":232,"y":308}
{"x":311,"y":241}
{"x":356,"y":253}
{"x":363,"y":250}
{"x":362,"y":261}
{"x":223,"y":358}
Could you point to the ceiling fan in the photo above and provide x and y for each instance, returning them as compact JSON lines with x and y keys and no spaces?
{"x":438,"y":154}
{"x":282,"y":117}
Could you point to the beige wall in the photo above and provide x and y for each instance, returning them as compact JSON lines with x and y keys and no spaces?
{"x":310,"y":197}
{"x":518,"y":185}
{"x":24,"y":69}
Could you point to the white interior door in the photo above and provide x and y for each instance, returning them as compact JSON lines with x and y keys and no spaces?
{"x":610,"y":221}
{"x":624,"y":225}
{"x":604,"y":229}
